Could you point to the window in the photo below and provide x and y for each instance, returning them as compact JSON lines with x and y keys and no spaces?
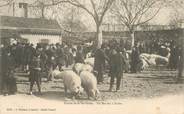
{"x":44,"y":41}
{"x":23,"y":5}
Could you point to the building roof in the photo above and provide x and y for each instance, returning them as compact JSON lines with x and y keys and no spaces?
{"x":9,"y":33}
{"x":28,"y":25}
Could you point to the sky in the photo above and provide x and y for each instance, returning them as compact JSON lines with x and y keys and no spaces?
{"x":162,"y":17}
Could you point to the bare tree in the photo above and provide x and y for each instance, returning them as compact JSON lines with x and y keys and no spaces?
{"x":176,"y":14}
{"x":5,"y":2}
{"x":133,"y":13}
{"x":175,"y":18}
{"x":72,"y":20}
{"x":97,"y":10}
{"x":39,"y":7}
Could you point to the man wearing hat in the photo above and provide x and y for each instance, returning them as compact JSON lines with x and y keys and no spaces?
{"x":99,"y":63}
{"x":35,"y":70}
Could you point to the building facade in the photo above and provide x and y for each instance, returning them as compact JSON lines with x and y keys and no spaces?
{"x":32,"y":30}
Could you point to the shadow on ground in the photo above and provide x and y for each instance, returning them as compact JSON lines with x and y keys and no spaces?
{"x":156,"y":77}
{"x":174,"y":82}
{"x":52,"y":95}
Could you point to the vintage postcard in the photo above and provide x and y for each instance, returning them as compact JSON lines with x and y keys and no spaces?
{"x":91,"y":56}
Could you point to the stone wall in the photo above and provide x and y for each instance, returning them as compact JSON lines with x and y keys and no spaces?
{"x":174,"y":34}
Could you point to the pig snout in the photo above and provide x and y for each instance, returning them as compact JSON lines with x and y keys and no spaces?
{"x":89,"y":83}
{"x":95,"y":94}
{"x":77,"y":92}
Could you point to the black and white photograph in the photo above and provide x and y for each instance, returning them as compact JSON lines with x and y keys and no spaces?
{"x":92,"y":56}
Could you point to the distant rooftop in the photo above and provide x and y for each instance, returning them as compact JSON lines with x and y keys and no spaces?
{"x":22,"y":24}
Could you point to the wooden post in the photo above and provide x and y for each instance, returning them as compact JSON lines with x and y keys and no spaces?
{"x":182,"y":74}
{"x":181,"y":62}
{"x":13,"y":9}
{"x":0,"y":70}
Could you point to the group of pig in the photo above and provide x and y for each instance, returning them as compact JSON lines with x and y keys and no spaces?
{"x":152,"y":60}
{"x":81,"y":78}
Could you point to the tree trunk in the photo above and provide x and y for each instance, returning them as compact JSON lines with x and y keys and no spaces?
{"x":132,"y":34}
{"x":99,"y":36}
{"x":42,"y":11}
{"x":181,"y":61}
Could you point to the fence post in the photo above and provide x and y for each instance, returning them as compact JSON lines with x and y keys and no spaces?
{"x":0,"y":70}
{"x":181,"y":62}
{"x":182,"y":53}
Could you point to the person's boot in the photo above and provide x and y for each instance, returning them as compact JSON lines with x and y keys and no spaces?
{"x":39,"y":91}
{"x":117,"y":89}
{"x":110,"y":89}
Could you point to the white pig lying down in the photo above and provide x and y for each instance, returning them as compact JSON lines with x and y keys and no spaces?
{"x":89,"y":83}
{"x":79,"y":67}
{"x":72,"y":82}
{"x":153,"y":60}
{"x":142,"y":65}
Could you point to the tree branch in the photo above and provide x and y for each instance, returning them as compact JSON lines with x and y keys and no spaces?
{"x":140,"y":23}
{"x":48,"y":5}
{"x":95,"y":11}
{"x":77,"y":4}
{"x":107,"y":6}
{"x":8,"y":2}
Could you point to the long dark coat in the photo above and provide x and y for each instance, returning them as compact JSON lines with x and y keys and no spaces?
{"x":135,"y":59}
{"x":99,"y":62}
{"x":8,"y":66}
{"x":35,"y":68}
{"x":116,"y":63}
{"x":60,"y":59}
{"x":79,"y":57}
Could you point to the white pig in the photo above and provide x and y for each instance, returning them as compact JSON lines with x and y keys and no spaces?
{"x":90,"y":61}
{"x":79,"y":67}
{"x":89,"y":83}
{"x":55,"y":73}
{"x":72,"y":82}
{"x":86,"y":67}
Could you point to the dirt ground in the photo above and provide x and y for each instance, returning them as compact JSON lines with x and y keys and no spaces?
{"x":149,"y":92}
{"x":147,"y":84}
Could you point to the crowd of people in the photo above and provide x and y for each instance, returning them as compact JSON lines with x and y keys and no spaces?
{"x":41,"y":59}
{"x":35,"y":61}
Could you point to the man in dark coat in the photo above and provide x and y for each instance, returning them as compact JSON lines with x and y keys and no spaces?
{"x":66,"y":54}
{"x":99,"y":63}
{"x":134,"y":59}
{"x":180,"y":66}
{"x":26,"y":57}
{"x":35,"y":70}
{"x":126,"y":59}
{"x":8,"y":66}
{"x":116,"y":63}
{"x":51,"y":61}
{"x":31,"y":54}
{"x":18,"y":53}
{"x":60,"y":57}
{"x":79,"y":55}
{"x":174,"y":57}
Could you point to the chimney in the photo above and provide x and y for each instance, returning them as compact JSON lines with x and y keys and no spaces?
{"x":24,"y":9}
